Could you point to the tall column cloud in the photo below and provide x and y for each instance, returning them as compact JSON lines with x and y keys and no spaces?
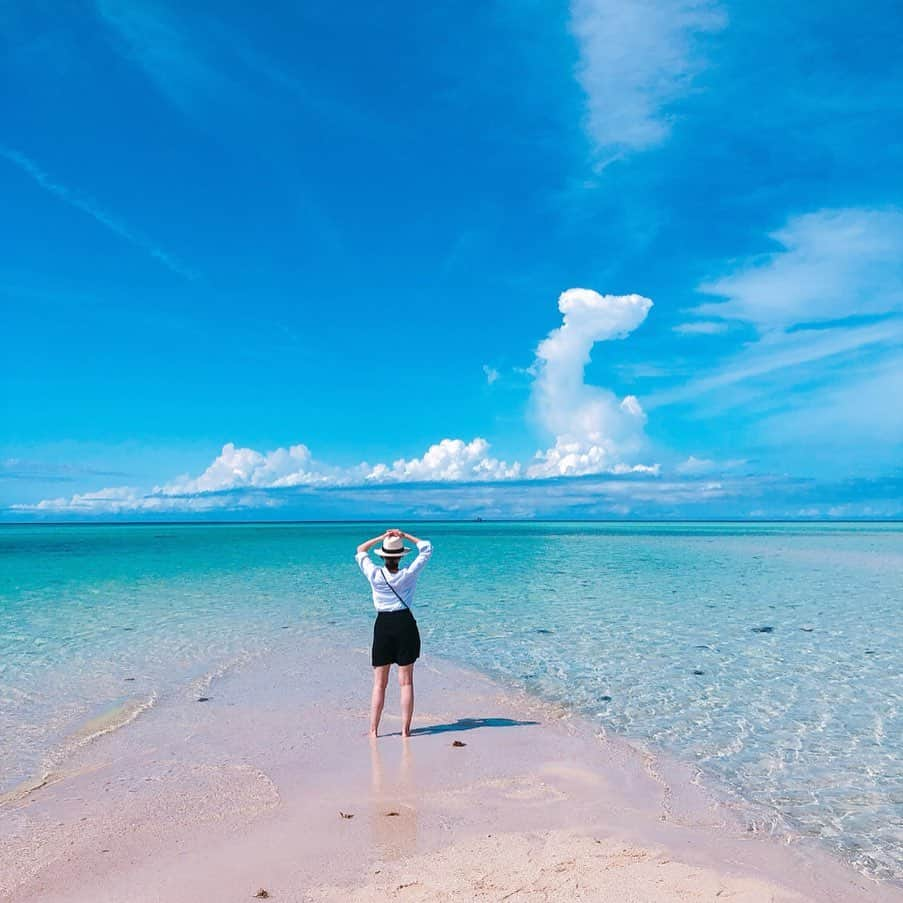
{"x":594,"y":430}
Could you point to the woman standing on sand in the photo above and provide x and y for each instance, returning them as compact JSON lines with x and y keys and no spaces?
{"x":396,"y":639}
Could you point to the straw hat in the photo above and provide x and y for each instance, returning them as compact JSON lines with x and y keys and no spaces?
{"x":392,"y":547}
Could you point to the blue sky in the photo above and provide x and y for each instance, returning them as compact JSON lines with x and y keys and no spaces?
{"x":495,"y":259}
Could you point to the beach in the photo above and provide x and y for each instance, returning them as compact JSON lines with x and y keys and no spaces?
{"x":270,"y":788}
{"x":183,"y":711}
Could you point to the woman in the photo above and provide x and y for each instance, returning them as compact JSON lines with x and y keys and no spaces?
{"x":396,"y":639}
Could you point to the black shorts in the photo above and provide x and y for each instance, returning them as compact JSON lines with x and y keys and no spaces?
{"x":396,"y":639}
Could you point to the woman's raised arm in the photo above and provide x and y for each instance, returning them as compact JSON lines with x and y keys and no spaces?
{"x":370,"y":543}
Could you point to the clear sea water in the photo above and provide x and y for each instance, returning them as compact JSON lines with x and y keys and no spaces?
{"x":769,"y":655}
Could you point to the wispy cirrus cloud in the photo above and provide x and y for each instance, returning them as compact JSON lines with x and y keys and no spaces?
{"x":130,"y":500}
{"x":202,"y":66}
{"x":489,"y":493}
{"x":49,"y":471}
{"x":701,"y":327}
{"x":81,"y":202}
{"x":597,"y":496}
{"x":861,"y":410}
{"x":833,"y":264}
{"x":637,"y":60}
{"x":784,"y":353}
{"x":832,"y":292}
{"x":697,"y":467}
{"x":149,"y":35}
{"x":491,"y":374}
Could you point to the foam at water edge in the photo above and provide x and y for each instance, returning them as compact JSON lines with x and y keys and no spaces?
{"x":111,"y":720}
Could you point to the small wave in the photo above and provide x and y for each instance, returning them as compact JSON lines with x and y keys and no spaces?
{"x":203,"y":682}
{"x":111,"y":720}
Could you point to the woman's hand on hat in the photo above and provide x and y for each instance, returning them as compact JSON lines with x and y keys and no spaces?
{"x":370,"y":543}
{"x":394,"y":532}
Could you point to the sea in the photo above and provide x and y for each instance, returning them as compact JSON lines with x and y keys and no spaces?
{"x":767,"y":656}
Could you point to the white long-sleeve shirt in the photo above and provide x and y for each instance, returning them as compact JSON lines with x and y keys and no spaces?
{"x":404,"y":580}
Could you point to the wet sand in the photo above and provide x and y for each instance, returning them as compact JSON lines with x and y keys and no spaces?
{"x":272,"y":785}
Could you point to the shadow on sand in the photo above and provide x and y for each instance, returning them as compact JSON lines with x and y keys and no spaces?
{"x":469,"y":724}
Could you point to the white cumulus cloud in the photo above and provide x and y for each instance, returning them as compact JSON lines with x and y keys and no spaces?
{"x":235,"y":468}
{"x":451,"y":460}
{"x":245,"y":477}
{"x":594,"y":430}
{"x":578,"y":459}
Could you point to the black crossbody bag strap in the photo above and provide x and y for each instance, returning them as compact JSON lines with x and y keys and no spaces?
{"x":405,"y":604}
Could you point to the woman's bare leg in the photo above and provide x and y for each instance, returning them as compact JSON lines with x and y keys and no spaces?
{"x":406,"y":682}
{"x":378,"y":698}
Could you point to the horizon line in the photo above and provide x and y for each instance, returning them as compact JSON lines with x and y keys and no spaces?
{"x":470,"y":520}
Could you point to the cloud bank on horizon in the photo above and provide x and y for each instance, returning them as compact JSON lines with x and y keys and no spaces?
{"x":595,"y":433}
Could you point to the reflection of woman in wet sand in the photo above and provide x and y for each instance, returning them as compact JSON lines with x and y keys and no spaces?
{"x":396,"y":639}
{"x":393,"y":802}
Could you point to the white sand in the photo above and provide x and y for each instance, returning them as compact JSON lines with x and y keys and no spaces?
{"x":214,"y":801}
{"x":552,"y":865}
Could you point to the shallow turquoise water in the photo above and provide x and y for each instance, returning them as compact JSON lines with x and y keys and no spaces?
{"x":767,"y":654}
